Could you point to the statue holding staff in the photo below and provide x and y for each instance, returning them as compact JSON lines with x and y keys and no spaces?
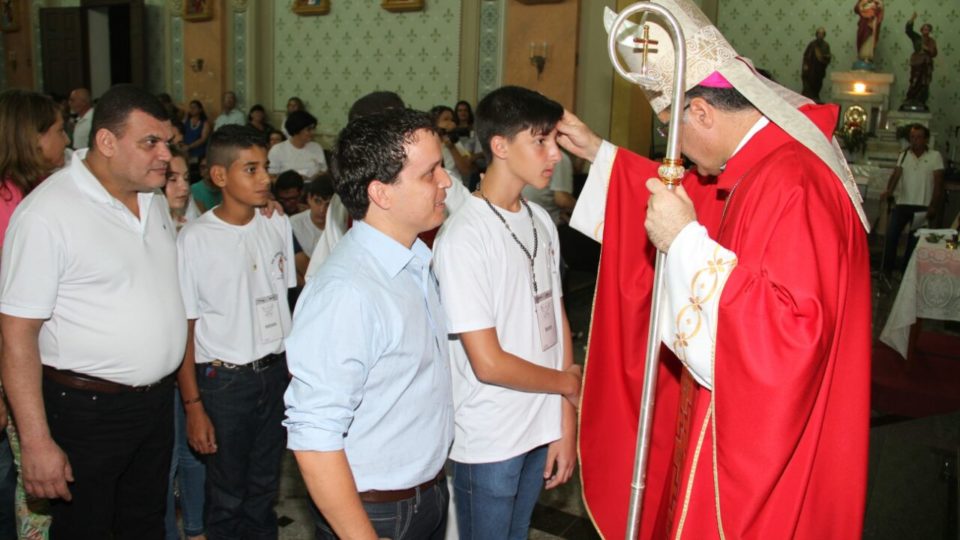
{"x":921,"y":65}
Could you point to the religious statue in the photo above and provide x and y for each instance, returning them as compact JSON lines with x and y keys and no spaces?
{"x":868,"y":31}
{"x":815,"y":61}
{"x":921,"y":66}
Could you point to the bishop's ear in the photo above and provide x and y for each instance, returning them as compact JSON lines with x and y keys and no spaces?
{"x":701,"y":112}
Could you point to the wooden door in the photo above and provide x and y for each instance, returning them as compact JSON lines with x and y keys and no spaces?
{"x":63,"y":45}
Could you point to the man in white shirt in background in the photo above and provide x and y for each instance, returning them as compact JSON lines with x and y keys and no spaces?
{"x":919,"y":177}
{"x":81,"y":106}
{"x":230,"y":113}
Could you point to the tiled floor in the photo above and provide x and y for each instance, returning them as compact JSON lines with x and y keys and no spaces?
{"x":912,"y":489}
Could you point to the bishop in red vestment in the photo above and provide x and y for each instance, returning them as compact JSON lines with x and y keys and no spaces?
{"x":761,"y":416}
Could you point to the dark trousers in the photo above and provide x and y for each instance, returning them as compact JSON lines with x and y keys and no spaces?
{"x":901,"y":217}
{"x":8,"y":489}
{"x":119,"y":449}
{"x":421,"y":517}
{"x":246,"y":409}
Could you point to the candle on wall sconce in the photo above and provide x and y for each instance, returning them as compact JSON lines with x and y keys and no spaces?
{"x":859,"y":88}
{"x":197,"y":65}
{"x":538,"y":56}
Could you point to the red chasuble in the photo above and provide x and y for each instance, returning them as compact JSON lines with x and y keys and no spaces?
{"x":779,"y":448}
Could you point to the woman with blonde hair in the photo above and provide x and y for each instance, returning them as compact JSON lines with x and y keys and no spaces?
{"x":32,"y":145}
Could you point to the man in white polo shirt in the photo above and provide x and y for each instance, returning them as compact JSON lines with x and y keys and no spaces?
{"x":94,"y":327}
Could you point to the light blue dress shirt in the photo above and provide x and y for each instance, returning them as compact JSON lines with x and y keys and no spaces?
{"x":368,"y":355}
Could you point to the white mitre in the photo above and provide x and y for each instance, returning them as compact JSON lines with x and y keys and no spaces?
{"x":709,"y":53}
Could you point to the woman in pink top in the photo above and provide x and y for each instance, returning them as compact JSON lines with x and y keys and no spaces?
{"x":32,"y":143}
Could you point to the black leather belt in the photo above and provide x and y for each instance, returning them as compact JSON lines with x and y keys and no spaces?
{"x":256,"y":366}
{"x":81,"y":381}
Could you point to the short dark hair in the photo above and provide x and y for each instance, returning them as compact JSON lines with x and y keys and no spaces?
{"x":288,"y":180}
{"x":321,"y":187}
{"x":116,"y":105}
{"x":725,"y":99}
{"x":511,"y":109}
{"x":253,"y":109}
{"x":373,"y":148}
{"x":228,"y":140}
{"x":373,"y":103}
{"x":921,"y":127}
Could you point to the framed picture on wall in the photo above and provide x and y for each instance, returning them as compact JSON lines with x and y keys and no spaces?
{"x":9,"y":17}
{"x":311,"y":7}
{"x":197,"y":10}
{"x":402,"y":5}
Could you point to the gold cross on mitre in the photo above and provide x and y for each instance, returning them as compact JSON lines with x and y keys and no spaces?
{"x":646,"y":42}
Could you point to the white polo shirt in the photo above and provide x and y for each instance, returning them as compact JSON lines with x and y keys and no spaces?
{"x":234,"y":281}
{"x":81,"y":131}
{"x":916,"y":182}
{"x":105,"y":281}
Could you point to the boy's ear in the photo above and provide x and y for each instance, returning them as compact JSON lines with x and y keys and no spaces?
{"x":379,"y":194}
{"x":498,"y":146}
{"x":218,"y":173}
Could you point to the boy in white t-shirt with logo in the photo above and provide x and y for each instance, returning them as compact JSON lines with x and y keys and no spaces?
{"x":235,"y":267}
{"x":514,"y":383}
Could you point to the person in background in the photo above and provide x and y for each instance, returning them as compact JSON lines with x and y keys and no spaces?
{"x":229,"y":114}
{"x":299,"y":153}
{"x":293,"y":104}
{"x":206,"y":194}
{"x":81,"y":106}
{"x":176,"y":115}
{"x":276,"y":137}
{"x":288,"y":191}
{"x":308,"y":225}
{"x":257,"y":119}
{"x":196,"y":131}
{"x":187,"y":472}
{"x":32,"y":144}
{"x":456,"y":158}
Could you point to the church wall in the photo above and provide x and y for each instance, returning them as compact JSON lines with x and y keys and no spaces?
{"x":775,"y":34}
{"x":18,"y":52}
{"x":330,"y":60}
{"x":206,"y":40}
{"x":557,"y":25}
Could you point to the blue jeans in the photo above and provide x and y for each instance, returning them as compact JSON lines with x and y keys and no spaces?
{"x":494,"y":501}
{"x":246,"y":409}
{"x":422,"y":517}
{"x":190,"y":474}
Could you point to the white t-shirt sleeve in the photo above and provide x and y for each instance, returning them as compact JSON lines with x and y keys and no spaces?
{"x":189,"y":289}
{"x":33,"y":261}
{"x":463,"y":273}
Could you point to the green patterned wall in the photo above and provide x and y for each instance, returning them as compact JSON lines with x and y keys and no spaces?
{"x":774,"y":35}
{"x":359,"y":47}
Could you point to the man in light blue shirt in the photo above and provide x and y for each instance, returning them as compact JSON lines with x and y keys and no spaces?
{"x":369,"y":409}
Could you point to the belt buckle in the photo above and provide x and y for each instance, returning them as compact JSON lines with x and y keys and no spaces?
{"x":258,"y":365}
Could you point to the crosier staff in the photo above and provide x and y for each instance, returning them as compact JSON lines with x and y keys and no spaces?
{"x":670,"y":173}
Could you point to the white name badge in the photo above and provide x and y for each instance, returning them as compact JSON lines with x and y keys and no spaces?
{"x":546,"y":319}
{"x":268,"y":318}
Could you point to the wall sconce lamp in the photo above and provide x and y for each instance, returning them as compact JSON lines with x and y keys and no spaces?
{"x":197,"y":65}
{"x":538,"y":56}
{"x":859,"y":88}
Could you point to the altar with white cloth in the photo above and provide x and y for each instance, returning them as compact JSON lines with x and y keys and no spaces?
{"x":930,"y":290}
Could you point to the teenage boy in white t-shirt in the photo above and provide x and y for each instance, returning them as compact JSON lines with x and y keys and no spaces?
{"x":514,"y":383}
{"x":235,"y":267}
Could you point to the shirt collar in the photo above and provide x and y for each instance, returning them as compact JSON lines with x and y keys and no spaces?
{"x":91,"y":186}
{"x":392,"y":256}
